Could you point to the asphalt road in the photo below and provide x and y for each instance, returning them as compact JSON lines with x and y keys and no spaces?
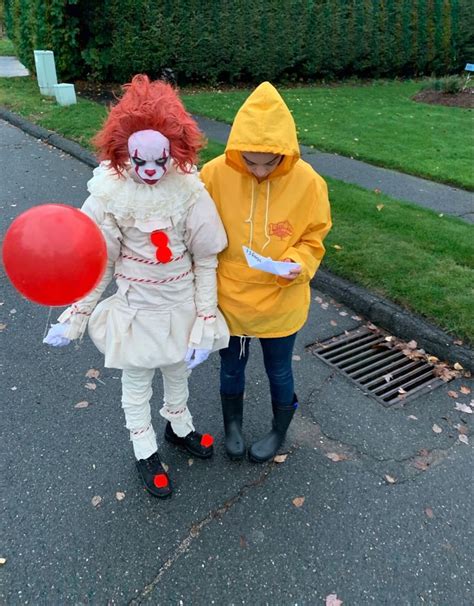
{"x":231,"y":533}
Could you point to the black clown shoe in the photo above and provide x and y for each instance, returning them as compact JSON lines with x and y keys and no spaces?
{"x":154,"y":476}
{"x":198,"y":444}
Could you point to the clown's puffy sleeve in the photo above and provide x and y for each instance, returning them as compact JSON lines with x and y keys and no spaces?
{"x":77,"y":315}
{"x":205,"y":237}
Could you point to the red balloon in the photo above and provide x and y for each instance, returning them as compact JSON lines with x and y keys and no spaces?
{"x":54,"y":254}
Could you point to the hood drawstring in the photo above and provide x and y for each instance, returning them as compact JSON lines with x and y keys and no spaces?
{"x":267,"y":241}
{"x":250,"y":217}
{"x":242,"y":347}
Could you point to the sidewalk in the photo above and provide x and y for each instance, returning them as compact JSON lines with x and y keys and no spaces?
{"x":10,"y":67}
{"x":385,"y":509}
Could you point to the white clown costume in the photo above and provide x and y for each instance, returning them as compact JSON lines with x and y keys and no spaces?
{"x":163,"y":235}
{"x":159,"y":309}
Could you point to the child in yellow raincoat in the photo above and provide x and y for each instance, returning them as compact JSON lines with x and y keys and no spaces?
{"x":274,"y":203}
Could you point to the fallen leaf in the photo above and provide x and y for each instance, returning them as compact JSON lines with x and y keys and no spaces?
{"x":2,"y":327}
{"x":465,"y":390}
{"x":463,"y":408}
{"x":458,"y":366}
{"x":333,"y":600}
{"x":343,"y":313}
{"x":96,"y":501}
{"x":380,"y":206}
{"x":388,"y":377}
{"x":120,"y":496}
{"x":318,"y":299}
{"x":432,"y":359}
{"x":190,"y":462}
{"x":280,"y":458}
{"x":389,"y":338}
{"x":413,"y":417}
{"x":463,"y":438}
{"x":453,"y":394}
{"x":436,"y":428}
{"x":92,"y":373}
{"x":337,"y":247}
{"x":336,"y":457}
{"x":3,"y":561}
{"x":91,"y":386}
{"x":377,"y":190}
{"x":82,"y":404}
{"x":333,"y":323}
{"x":462,"y":429}
{"x":390,"y":479}
{"x":458,"y":342}
{"x":429,"y":512}
{"x":298,"y":501}
{"x":401,"y":390}
{"x":165,"y":466}
{"x":296,"y":358}
{"x":356,"y":318}
{"x":412,"y":345}
{"x":421,"y":464}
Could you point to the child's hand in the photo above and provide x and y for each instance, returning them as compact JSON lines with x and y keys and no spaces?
{"x":55,"y":336}
{"x":196,"y":356}
{"x":294,"y":273}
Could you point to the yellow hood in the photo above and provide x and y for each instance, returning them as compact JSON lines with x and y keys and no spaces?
{"x":263,"y":124}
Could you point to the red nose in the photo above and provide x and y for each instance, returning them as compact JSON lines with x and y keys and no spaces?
{"x":150,"y":171}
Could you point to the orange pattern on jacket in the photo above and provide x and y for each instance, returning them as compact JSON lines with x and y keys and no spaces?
{"x":253,"y":302}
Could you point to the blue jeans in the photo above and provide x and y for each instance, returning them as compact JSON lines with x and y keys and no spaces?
{"x":277,"y":357}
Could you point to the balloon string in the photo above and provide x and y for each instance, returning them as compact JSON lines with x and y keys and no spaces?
{"x":46,"y":328}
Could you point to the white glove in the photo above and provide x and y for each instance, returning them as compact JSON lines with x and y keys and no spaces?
{"x":55,"y":335}
{"x":196,"y":356}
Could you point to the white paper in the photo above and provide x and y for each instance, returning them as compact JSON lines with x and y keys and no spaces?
{"x":256,"y":261}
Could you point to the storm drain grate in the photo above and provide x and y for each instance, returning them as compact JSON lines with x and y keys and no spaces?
{"x":383,"y":372}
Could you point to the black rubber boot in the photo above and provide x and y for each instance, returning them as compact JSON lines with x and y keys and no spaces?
{"x":198,"y":444}
{"x":154,"y":476}
{"x":266,"y":448}
{"x":232,"y":412}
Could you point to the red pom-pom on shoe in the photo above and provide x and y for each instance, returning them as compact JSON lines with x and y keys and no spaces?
{"x":207,"y":440}
{"x":160,"y":480}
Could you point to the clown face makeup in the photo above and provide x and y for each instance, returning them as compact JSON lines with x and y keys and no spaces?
{"x":149,"y":152}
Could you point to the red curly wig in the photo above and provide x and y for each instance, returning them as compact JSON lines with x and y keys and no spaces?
{"x":149,"y":105}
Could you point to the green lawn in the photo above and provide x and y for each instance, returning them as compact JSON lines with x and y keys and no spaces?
{"x":375,"y":122}
{"x":78,"y":122}
{"x":408,"y":254}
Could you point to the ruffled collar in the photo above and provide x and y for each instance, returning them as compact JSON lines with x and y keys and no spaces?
{"x":127,"y":199}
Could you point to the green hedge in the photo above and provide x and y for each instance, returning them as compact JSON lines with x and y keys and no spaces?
{"x":244,"y":40}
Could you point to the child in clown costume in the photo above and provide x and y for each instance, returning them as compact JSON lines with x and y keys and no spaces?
{"x":163,"y":235}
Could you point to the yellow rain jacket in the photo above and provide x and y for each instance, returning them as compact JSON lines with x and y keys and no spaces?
{"x":285,"y":216}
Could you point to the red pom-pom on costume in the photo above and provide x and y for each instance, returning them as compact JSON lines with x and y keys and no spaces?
{"x":149,"y":106}
{"x":160,"y":240}
{"x":207,"y":440}
{"x":160,"y":480}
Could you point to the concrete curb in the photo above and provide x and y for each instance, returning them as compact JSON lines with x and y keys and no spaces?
{"x":48,"y":136}
{"x":378,"y":310}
